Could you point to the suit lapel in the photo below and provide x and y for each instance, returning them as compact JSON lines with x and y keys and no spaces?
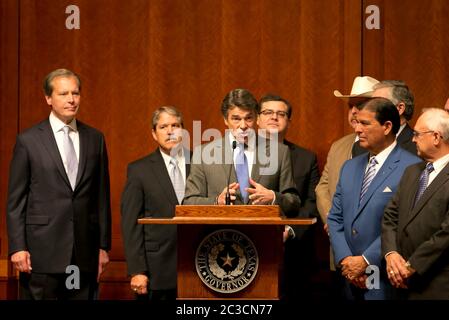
{"x":405,"y":135}
{"x":49,"y":142}
{"x":255,"y":170}
{"x":359,"y":173}
{"x":438,"y":182}
{"x":84,"y":140}
{"x":160,"y":171}
{"x":385,"y":171}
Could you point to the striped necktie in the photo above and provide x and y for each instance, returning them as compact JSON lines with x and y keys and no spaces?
{"x":369,"y":176}
{"x":423,"y":181}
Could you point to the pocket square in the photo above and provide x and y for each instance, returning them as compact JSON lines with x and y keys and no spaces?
{"x":387,"y":189}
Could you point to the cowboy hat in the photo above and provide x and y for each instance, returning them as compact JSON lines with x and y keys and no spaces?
{"x":362,"y":87}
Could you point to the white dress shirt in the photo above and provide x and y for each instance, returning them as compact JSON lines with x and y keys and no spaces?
{"x":56,"y":126}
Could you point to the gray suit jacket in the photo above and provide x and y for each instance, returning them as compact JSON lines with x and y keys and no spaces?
{"x":421,"y":233}
{"x":212,"y":163}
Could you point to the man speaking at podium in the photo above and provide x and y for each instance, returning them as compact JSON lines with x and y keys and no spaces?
{"x":248,"y":171}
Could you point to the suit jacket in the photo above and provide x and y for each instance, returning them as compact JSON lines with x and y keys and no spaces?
{"x":300,"y":259}
{"x":306,"y":176}
{"x":212,"y":163}
{"x":404,"y":139}
{"x":45,"y":216}
{"x":150,"y":249}
{"x":355,"y":229}
{"x":421,"y":233}
{"x":339,"y":152}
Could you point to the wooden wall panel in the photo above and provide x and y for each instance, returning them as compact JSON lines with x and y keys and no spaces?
{"x":134,"y":56}
{"x":412,"y":45}
{"x":9,"y":63}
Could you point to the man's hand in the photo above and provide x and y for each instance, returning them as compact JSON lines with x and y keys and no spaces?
{"x":397,"y":270}
{"x":103,"y":260}
{"x":360,"y":282}
{"x":21,"y":260}
{"x":233,"y":187}
{"x":139,"y":284}
{"x":353,"y":267}
{"x":259,"y":194}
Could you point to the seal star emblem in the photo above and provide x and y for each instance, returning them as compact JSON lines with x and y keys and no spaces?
{"x":227,"y":260}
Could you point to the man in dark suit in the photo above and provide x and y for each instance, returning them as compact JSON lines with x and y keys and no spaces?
{"x":366,"y":184}
{"x":155,"y":185}
{"x":58,"y":203}
{"x":300,"y":255}
{"x":399,"y":93}
{"x":260,"y":176}
{"x":415,"y":227}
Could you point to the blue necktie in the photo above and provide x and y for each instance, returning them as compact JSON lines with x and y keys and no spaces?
{"x":369,"y":176}
{"x":241,"y":169}
{"x":423,"y":181}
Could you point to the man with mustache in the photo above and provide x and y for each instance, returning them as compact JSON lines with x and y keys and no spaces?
{"x":250,"y":182}
{"x":155,"y":185}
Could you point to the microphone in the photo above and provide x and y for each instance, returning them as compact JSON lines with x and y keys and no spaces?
{"x":228,"y":195}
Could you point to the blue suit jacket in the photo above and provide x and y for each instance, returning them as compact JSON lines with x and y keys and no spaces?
{"x":356,"y":229}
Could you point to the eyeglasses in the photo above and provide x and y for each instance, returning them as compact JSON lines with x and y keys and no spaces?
{"x":269,"y":113}
{"x":417,"y":134}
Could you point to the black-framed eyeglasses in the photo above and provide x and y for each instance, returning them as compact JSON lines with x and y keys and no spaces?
{"x":417,"y":134}
{"x":269,"y":113}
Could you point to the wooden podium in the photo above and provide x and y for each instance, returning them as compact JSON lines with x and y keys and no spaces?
{"x":262,"y":224}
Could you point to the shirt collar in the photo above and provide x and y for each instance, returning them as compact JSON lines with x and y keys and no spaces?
{"x":248,"y":147}
{"x":383,"y":155}
{"x":178,"y":156}
{"x":57,"y":125}
{"x":439,"y":164}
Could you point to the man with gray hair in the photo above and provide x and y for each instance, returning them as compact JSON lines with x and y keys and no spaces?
{"x":399,"y":93}
{"x":155,"y":185}
{"x":415,"y":227}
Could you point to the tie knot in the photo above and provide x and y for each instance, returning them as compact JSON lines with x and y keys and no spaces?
{"x":241,"y":146}
{"x":373,"y":161}
{"x":174,"y":162}
{"x":429,"y":167}
{"x":66,"y":129}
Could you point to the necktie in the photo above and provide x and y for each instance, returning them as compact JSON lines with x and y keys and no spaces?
{"x":177,"y":180}
{"x":423,"y":181}
{"x":368,"y":178}
{"x":241,"y":169}
{"x":70,"y":157}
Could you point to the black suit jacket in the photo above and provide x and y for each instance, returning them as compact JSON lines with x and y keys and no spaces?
{"x":421,"y":233}
{"x":405,"y":140}
{"x":300,"y":253}
{"x":150,"y":249}
{"x":45,"y":216}
{"x":306,"y":177}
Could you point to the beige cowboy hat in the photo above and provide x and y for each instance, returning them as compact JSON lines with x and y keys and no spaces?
{"x":362,"y":88}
